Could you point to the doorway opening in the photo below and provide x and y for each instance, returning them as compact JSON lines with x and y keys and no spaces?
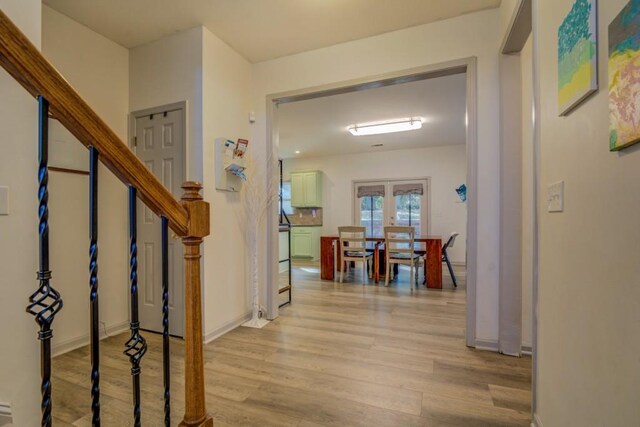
{"x":465,"y":70}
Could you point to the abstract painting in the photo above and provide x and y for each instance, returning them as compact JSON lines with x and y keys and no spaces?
{"x":624,"y":77}
{"x":577,"y":56}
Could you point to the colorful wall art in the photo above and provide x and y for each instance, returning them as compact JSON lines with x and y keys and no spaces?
{"x":577,"y":56}
{"x":624,"y":77}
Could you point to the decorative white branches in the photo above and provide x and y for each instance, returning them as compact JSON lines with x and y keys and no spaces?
{"x":257,"y":195}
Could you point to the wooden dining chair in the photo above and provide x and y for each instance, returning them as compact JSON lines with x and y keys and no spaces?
{"x":353,"y":247}
{"x":399,"y":249}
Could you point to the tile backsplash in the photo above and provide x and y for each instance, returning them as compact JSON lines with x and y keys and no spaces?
{"x":306,"y":216}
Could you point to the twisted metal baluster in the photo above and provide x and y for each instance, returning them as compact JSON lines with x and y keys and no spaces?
{"x":93,"y":284}
{"x":45,"y":302}
{"x":165,"y":323}
{"x":136,"y":346}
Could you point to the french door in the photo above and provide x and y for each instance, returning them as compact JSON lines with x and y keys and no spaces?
{"x":391,"y":202}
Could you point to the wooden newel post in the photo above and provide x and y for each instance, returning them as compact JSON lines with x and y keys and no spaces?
{"x":195,"y":406}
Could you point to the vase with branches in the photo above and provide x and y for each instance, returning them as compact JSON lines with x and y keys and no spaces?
{"x":257,"y":195}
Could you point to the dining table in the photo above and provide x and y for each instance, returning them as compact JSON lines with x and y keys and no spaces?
{"x":429,"y":245}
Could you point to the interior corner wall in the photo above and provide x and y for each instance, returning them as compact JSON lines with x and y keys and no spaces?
{"x":166,"y":71}
{"x":510,"y":313}
{"x":20,"y":349}
{"x":526,"y":67}
{"x":226,"y":105}
{"x":589,"y":269}
{"x":472,"y":35}
{"x":99,"y":71}
{"x":446,"y":166}
{"x":196,"y":66}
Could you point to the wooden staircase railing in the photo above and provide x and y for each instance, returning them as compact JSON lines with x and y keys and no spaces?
{"x":188,"y":218}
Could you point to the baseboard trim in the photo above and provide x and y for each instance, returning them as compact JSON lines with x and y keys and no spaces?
{"x":6,"y":417}
{"x":536,"y":421}
{"x":488,"y":345}
{"x":491,"y":345}
{"x":71,"y":344}
{"x":229,"y":326}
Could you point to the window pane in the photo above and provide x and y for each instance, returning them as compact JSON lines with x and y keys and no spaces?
{"x":286,"y":197}
{"x":372,"y":215}
{"x":408,"y":211}
{"x":286,"y":190}
{"x":287,"y":207}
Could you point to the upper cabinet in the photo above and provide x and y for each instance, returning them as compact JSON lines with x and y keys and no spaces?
{"x":306,"y":189}
{"x":297,"y":190}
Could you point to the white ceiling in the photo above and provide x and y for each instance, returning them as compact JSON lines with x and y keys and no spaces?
{"x":318,"y":127}
{"x":261,"y":29}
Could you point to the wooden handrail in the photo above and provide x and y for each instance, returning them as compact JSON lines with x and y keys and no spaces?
{"x":26,"y":64}
{"x":189,"y":218}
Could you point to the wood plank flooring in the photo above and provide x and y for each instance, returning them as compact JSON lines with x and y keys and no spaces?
{"x":340,"y":355}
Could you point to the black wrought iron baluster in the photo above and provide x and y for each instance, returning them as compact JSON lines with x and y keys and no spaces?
{"x":45,"y":302}
{"x":93,"y":285}
{"x":136,"y":346}
{"x":165,"y":323}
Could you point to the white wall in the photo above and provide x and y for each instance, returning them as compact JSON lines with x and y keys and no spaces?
{"x":589,"y":274}
{"x":445,"y":165}
{"x":511,"y":205}
{"x":526,"y":61}
{"x":196,"y":66}
{"x":99,"y":70}
{"x":20,"y":349}
{"x":469,"y":35}
{"x":167,"y":71}
{"x":226,"y":105}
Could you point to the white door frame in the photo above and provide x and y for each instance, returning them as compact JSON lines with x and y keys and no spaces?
{"x":181,"y":105}
{"x":521,"y":26}
{"x":464,"y":65}
{"x":175,"y":106}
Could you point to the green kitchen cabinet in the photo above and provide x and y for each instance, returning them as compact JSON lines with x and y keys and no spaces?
{"x":297,"y":190}
{"x":305,"y":242}
{"x":306,"y":189}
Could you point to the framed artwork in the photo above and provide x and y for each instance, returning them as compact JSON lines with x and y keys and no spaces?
{"x":624,"y":77}
{"x":577,"y":56}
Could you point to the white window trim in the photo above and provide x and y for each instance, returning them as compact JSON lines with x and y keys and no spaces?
{"x":354,"y":196}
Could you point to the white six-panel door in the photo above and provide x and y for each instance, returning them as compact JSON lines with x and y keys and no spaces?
{"x":159,"y":144}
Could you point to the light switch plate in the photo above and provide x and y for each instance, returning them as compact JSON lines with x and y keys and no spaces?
{"x":555,"y":197}
{"x":4,"y":200}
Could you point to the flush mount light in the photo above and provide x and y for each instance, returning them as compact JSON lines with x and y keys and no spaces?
{"x":386,"y":127}
{"x":297,"y":151}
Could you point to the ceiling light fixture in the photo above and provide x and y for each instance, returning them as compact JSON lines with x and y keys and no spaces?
{"x":377,"y":128}
{"x":297,"y":151}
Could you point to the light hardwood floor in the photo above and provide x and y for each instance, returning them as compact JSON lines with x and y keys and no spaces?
{"x":341,"y":355}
